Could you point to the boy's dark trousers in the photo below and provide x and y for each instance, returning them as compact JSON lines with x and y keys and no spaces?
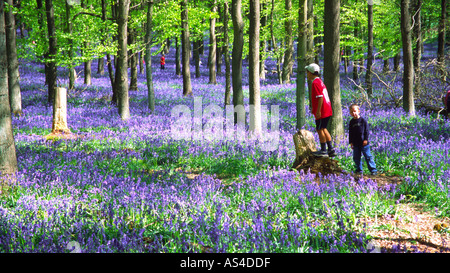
{"x":364,"y":150}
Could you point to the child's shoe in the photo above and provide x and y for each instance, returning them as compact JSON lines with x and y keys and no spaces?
{"x":332,"y":153}
{"x":321,"y":153}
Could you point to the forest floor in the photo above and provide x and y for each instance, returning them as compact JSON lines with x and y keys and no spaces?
{"x":413,"y":226}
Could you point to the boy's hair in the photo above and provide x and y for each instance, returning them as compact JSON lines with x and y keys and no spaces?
{"x":353,"y":105}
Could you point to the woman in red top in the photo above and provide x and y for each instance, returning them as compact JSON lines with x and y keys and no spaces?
{"x":321,"y":109}
{"x":162,"y":62}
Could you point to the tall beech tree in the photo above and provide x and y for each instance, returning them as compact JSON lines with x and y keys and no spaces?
{"x":441,"y":33}
{"x":253,"y":75}
{"x":289,"y":53}
{"x":331,"y":66}
{"x":301,"y":61}
{"x":8,"y":159}
{"x":185,"y":49}
{"x":227,"y":53}
{"x":238,"y":44}
{"x":15,"y":97}
{"x":148,"y":57}
{"x":212,"y":45}
{"x":408,"y":67}
{"x":53,"y":50}
{"x":121,"y":77}
{"x":369,"y":48}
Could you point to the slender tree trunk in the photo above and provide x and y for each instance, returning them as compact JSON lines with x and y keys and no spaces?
{"x":274,"y":43}
{"x":253,"y":76}
{"x":121,"y":77}
{"x":331,"y":66}
{"x":177,"y":57}
{"x":301,"y":61}
{"x":53,"y":50}
{"x":185,"y":50}
{"x":417,"y":54}
{"x":227,"y":54}
{"x":87,"y":64}
{"x":442,"y":40}
{"x":288,"y":56}
{"x":133,"y":62}
{"x":148,"y":57}
{"x":101,"y":60}
{"x":196,"y":49}
{"x":219,"y":41}
{"x":212,"y":46}
{"x":369,"y":49}
{"x":397,"y":58}
{"x":238,"y":44}
{"x":8,"y":159}
{"x":408,"y":67}
{"x":263,"y":47}
{"x":310,"y":43}
{"x":15,"y":97}
{"x":442,"y":34}
{"x":72,"y":72}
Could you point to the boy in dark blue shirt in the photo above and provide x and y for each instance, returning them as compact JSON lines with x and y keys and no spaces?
{"x":358,"y":136}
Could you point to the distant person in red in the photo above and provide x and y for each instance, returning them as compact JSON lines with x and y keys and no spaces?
{"x":321,"y":109}
{"x":162,"y":62}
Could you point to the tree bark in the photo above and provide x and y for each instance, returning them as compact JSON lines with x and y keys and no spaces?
{"x":72,"y":72}
{"x":121,"y":77}
{"x":301,"y":61}
{"x":227,"y":54}
{"x":369,"y":49}
{"x":408,"y":67}
{"x":274,"y":43}
{"x":15,"y":97}
{"x":148,"y":57}
{"x":238,"y":44}
{"x":263,"y":47}
{"x":177,"y":57}
{"x":288,"y":56}
{"x":310,"y":42}
{"x":53,"y":50}
{"x":212,"y":46}
{"x":331,"y":66}
{"x":8,"y":159}
{"x":133,"y":62}
{"x":253,"y":76}
{"x":442,"y":34}
{"x":185,"y":50}
{"x":417,"y":54}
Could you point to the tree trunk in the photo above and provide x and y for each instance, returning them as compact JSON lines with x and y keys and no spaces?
{"x":196,"y":49}
{"x":227,"y":54}
{"x":8,"y":159}
{"x":121,"y":77}
{"x":87,"y":64}
{"x":253,"y":75}
{"x":133,"y":62}
{"x":274,"y":43}
{"x":288,"y":56}
{"x":53,"y":50}
{"x":397,"y":58}
{"x":301,"y":63}
{"x":417,"y":54}
{"x":263,"y":47}
{"x":442,"y":34}
{"x":310,"y":42}
{"x":369,"y":49}
{"x":219,"y":41}
{"x":148,"y":57}
{"x":212,"y":46}
{"x":238,"y":44}
{"x":177,"y":57}
{"x":72,"y":72}
{"x":331,"y":66}
{"x":408,"y":67}
{"x":185,"y":50}
{"x":15,"y":97}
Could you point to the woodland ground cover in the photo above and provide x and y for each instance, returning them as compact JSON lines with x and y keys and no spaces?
{"x":130,"y":187}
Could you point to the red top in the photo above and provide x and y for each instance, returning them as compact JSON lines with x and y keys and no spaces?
{"x":163,"y":60}
{"x":320,"y":91}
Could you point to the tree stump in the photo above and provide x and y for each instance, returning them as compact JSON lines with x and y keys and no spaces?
{"x":305,"y":145}
{"x":60,"y":112}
